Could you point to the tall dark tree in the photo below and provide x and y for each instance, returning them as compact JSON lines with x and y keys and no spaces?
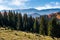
{"x":51,"y":25}
{"x":56,"y":28}
{"x":37,"y":25}
{"x":14,"y":20}
{"x":19,"y":21}
{"x":30,"y":24}
{"x":34,"y":26}
{"x":49,"y":28}
{"x":42,"y":27}
{"x":5,"y":19}
{"x":25,"y":22}
{"x":21,"y":24}
{"x":1,"y":20}
{"x":10,"y":19}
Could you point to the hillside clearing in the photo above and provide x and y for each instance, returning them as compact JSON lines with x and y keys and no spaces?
{"x":19,"y":35}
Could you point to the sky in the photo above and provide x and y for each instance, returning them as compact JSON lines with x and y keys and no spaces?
{"x":26,"y":4}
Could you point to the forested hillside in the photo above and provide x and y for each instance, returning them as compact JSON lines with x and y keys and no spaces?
{"x":40,"y":25}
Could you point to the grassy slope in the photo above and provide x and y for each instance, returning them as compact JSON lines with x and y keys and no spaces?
{"x":19,"y":35}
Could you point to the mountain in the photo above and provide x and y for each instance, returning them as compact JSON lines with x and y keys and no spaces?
{"x":28,"y":11}
{"x":35,"y":15}
{"x":49,"y":11}
{"x":41,"y":12}
{"x":35,"y":12}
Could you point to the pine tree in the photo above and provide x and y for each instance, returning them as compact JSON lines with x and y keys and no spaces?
{"x":50,"y":26}
{"x":25,"y":22}
{"x":42,"y":23}
{"x":56,"y":28}
{"x":19,"y":21}
{"x":5,"y":19}
{"x":1,"y":20}
{"x":37,"y":25}
{"x":14,"y":20}
{"x":10,"y":19}
{"x":21,"y":24}
{"x":34,"y":25}
{"x":30,"y":24}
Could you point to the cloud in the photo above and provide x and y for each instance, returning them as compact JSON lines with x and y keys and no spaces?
{"x":56,"y":3}
{"x":3,"y":1}
{"x":12,"y":4}
{"x":49,"y":6}
{"x":18,"y":2}
{"x":22,"y":4}
{"x":2,"y":7}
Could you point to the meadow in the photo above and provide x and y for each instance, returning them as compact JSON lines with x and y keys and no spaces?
{"x":8,"y":34}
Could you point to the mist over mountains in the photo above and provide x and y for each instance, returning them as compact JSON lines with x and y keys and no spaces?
{"x":34,"y":12}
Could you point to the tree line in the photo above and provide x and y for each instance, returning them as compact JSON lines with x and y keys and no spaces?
{"x":42,"y":26}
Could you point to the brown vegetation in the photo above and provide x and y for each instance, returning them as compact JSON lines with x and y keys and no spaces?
{"x":57,"y":14}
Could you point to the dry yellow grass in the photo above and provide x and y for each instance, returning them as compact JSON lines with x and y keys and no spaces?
{"x":19,"y":35}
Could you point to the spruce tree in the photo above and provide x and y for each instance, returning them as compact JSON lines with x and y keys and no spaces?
{"x":1,"y":20}
{"x":14,"y":20}
{"x":56,"y":28}
{"x":51,"y":24}
{"x":19,"y":21}
{"x":50,"y":27}
{"x":25,"y":22}
{"x":21,"y":24}
{"x":37,"y":25}
{"x":5,"y":19}
{"x":30,"y":24}
{"x":10,"y":19}
{"x":42,"y":22}
{"x":34,"y":25}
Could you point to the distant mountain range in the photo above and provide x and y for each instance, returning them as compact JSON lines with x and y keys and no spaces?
{"x":35,"y":12}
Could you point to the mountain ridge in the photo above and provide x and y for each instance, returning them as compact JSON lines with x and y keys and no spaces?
{"x":32,"y":11}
